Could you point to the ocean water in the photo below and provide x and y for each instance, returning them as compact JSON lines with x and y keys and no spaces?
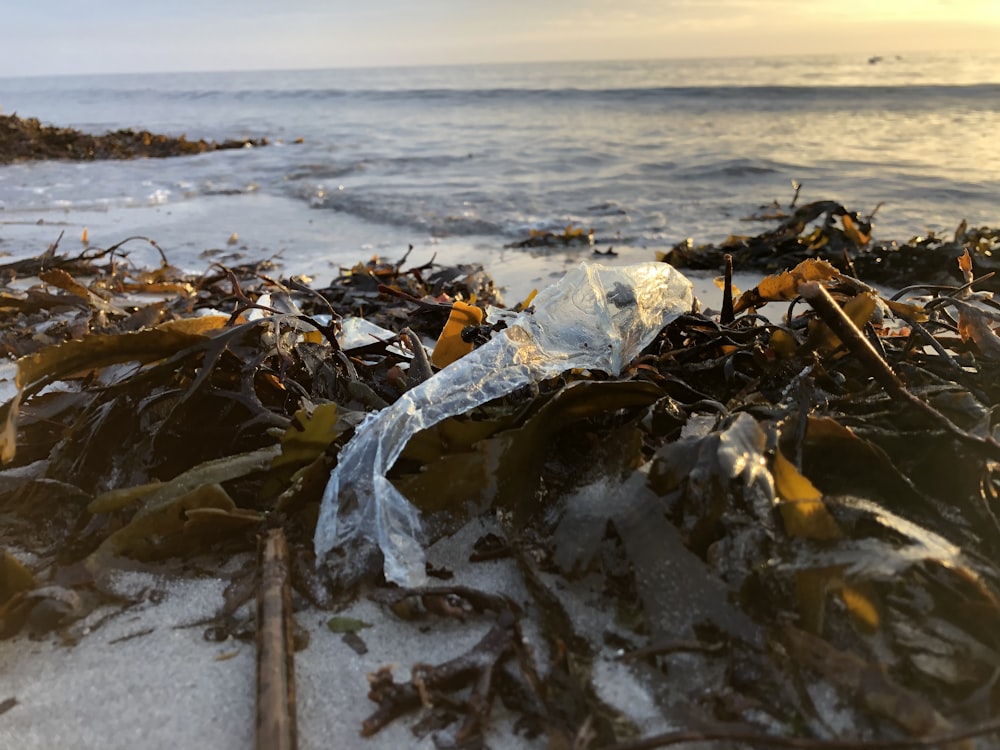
{"x":461,"y":161}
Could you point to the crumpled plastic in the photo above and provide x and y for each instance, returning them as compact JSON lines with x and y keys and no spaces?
{"x":596,"y":317}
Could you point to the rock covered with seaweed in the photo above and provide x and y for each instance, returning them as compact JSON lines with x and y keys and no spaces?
{"x":769,"y":511}
{"x":27,"y":139}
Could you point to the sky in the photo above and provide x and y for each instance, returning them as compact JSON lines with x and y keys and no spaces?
{"x":45,"y":37}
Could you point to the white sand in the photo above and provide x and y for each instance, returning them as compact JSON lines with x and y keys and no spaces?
{"x":167,"y":687}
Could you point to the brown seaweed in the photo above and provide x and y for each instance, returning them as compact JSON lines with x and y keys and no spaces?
{"x":764,"y":505}
{"x":28,"y":140}
{"x":826,"y":230}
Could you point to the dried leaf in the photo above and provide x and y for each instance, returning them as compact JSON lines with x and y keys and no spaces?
{"x":854,"y":233}
{"x":965,"y":265}
{"x":862,"y":605}
{"x":858,"y":308}
{"x":57,"y":277}
{"x":122,"y":497}
{"x":720,"y":282}
{"x":783,"y":344}
{"x":309,"y":435}
{"x":785,"y":286}
{"x":975,"y":326}
{"x":303,"y":453}
{"x":209,"y":472}
{"x":802,"y":508}
{"x":523,"y":304}
{"x":907,"y":311}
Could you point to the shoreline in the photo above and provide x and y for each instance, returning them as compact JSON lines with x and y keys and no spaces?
{"x":301,"y":240}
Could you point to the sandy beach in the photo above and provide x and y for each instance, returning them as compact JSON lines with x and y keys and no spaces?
{"x":147,"y":676}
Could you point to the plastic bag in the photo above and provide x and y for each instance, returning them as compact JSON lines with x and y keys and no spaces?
{"x":595,"y":317}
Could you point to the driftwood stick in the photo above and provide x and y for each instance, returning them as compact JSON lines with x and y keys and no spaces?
{"x":831,"y":313}
{"x":727,"y":314}
{"x":276,"y":725}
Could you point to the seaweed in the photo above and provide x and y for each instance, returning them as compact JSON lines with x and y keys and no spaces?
{"x":772,"y":510}
{"x":569,"y":236}
{"x":30,"y":140}
{"x":826,"y":230}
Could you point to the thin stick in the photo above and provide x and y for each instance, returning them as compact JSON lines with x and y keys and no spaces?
{"x":796,"y":186}
{"x":276,"y":725}
{"x":831,"y":313}
{"x":728,"y":315}
{"x":386,"y":289}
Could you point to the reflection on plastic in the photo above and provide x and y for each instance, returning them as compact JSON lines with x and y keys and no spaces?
{"x":595,"y":317}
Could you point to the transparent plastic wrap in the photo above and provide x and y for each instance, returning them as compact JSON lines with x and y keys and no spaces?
{"x":596,"y":317}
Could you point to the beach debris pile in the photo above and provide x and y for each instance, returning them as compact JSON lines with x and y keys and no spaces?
{"x":594,"y":318}
{"x":826,"y":230}
{"x":27,"y":139}
{"x":569,"y":236}
{"x":788,"y":523}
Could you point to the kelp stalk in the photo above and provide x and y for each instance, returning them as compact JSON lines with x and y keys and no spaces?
{"x":728,"y":313}
{"x":816,"y":295}
{"x":276,"y":724}
{"x":831,"y":313}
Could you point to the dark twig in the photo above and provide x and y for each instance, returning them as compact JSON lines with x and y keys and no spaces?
{"x":448,"y":601}
{"x":244,"y":303}
{"x":386,"y":289}
{"x":399,"y":263}
{"x":727,"y":316}
{"x":958,"y":373}
{"x":832,"y":314}
{"x":947,"y":291}
{"x":276,"y":724}
{"x":797,"y":187}
{"x":849,"y":263}
{"x":49,"y":259}
{"x":420,"y":367}
{"x":298,"y":286}
{"x":114,"y":248}
{"x":430,"y":684}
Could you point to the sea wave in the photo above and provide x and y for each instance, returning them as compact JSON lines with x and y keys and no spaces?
{"x":722,"y":97}
{"x":422,"y":214}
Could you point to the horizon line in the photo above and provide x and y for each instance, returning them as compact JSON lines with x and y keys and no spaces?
{"x":885,"y":54}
